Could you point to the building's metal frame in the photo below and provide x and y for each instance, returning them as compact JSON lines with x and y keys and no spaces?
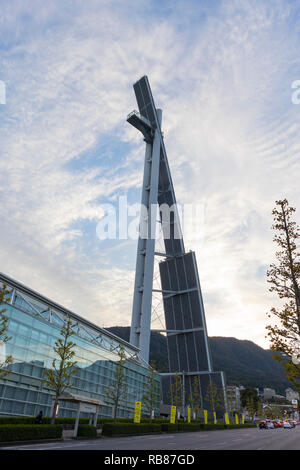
{"x":57,"y":315}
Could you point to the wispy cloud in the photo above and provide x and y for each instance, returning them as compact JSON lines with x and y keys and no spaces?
{"x":221,"y":71}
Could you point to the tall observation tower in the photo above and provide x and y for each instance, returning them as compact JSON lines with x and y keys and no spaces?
{"x":188,"y":347}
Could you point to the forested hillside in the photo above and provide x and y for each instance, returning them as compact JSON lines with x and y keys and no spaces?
{"x":243,"y":362}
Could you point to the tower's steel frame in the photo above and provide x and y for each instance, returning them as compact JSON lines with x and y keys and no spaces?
{"x":188,"y":348}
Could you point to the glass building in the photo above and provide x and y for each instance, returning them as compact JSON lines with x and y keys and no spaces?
{"x":34,"y":325}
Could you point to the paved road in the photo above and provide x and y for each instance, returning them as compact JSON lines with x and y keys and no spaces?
{"x":233,"y":439}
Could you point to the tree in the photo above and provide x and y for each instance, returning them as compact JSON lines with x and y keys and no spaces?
{"x":284,"y":279}
{"x":249,"y":395}
{"x":251,"y":406}
{"x":151,"y":390}
{"x":194,"y":397}
{"x":213,"y":397}
{"x":250,"y":401}
{"x":4,"y":361}
{"x":276,"y":412}
{"x":63,"y":367}
{"x":260,"y":410}
{"x":231,"y":401}
{"x":176,"y":392}
{"x":116,"y":391}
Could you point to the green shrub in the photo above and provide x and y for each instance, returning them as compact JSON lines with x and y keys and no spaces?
{"x":27,"y":432}
{"x":131,"y":420}
{"x":17,"y":420}
{"x":190,"y":427}
{"x":87,"y":431}
{"x":212,"y":426}
{"x":110,"y":429}
{"x":155,"y":420}
{"x":237,"y":426}
{"x":105,"y":420}
{"x":45,"y":420}
{"x":70,"y":420}
{"x":168,"y":427}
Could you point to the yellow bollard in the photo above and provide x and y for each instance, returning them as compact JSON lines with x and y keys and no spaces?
{"x":205,"y":416}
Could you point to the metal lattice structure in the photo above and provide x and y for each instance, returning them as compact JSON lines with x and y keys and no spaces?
{"x":188,"y":347}
{"x":35,"y":304}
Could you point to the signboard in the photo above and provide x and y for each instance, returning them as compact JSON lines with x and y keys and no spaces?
{"x":205,"y":416}
{"x":215,"y":418}
{"x":86,"y":408}
{"x":137,"y":412}
{"x":173,"y":414}
{"x":295,"y":403}
{"x":227,"y":418}
{"x":243,"y":419}
{"x":189,"y":415}
{"x":236,"y":418}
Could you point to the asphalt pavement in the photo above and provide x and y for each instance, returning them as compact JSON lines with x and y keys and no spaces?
{"x":232,"y":439}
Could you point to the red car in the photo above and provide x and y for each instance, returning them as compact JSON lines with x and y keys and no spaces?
{"x":276,"y":424}
{"x":262,"y":425}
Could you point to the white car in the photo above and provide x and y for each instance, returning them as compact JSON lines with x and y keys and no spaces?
{"x":287,"y":425}
{"x":270,"y":425}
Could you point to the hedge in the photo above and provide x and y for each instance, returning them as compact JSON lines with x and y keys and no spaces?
{"x":210,"y":426}
{"x":45,"y":420}
{"x":155,"y":420}
{"x":131,"y":420}
{"x":5,"y":420}
{"x":190,"y":427}
{"x":111,"y":429}
{"x":237,"y":426}
{"x":168,"y":427}
{"x":28,"y":432}
{"x":86,"y":431}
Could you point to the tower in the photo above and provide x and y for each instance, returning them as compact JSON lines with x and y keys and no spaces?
{"x":188,"y":347}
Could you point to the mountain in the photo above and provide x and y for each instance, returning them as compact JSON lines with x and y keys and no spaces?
{"x":244,"y":362}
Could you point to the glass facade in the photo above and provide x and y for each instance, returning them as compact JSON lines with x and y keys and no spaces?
{"x":34,"y":326}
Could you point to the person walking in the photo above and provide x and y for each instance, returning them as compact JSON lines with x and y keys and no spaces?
{"x":38,"y":418}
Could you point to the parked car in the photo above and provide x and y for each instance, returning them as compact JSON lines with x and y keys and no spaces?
{"x":262,"y":425}
{"x":276,"y":423}
{"x":287,"y":425}
{"x":270,"y":425}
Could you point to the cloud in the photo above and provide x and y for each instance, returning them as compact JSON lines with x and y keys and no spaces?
{"x":222,"y":73}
